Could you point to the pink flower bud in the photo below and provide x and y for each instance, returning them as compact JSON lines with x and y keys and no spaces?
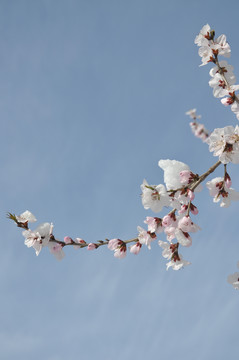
{"x":186,"y":176}
{"x":114,"y":243}
{"x":228,"y":181}
{"x":79,"y":241}
{"x":227,"y":101}
{"x":167,"y":220}
{"x":91,"y":246}
{"x":68,"y":240}
{"x":135,"y":249}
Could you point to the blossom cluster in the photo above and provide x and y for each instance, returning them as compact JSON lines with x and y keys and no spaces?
{"x":222,"y":77}
{"x":177,"y":193}
{"x":198,"y":129}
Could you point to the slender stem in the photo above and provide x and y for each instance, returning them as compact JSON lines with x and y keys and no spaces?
{"x":205,"y":175}
{"x":221,"y":72}
{"x":85,"y":244}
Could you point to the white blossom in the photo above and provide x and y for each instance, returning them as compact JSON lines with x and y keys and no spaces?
{"x":145,"y":237}
{"x":226,"y":69}
{"x":192,"y":113}
{"x":183,"y":238}
{"x":154,"y":224}
{"x":154,"y":197}
{"x":178,"y":264}
{"x":224,"y":142}
{"x":203,"y":36}
{"x":167,"y":252}
{"x":219,"y":86}
{"x":217,"y":190}
{"x":38,"y":238}
{"x":56,"y":250}
{"x":26,"y":217}
{"x":199,"y":130}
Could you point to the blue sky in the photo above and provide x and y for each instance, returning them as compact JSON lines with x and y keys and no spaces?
{"x":92,"y":95}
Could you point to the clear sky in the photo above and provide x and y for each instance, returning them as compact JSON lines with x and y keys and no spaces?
{"x":92,"y":95}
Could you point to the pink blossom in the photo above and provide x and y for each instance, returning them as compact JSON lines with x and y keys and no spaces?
{"x":80,"y":241}
{"x":186,"y":177}
{"x":56,"y":250}
{"x":169,"y":219}
{"x":228,"y":181}
{"x":170,"y":232}
{"x":186,"y":225}
{"x":91,"y":246}
{"x":68,"y":240}
{"x":218,"y":191}
{"x":183,"y":209}
{"x":120,"y":252}
{"x":135,"y":249}
{"x":114,"y":243}
{"x":183,"y":237}
{"x":154,"y":224}
{"x":119,"y":248}
{"x":199,"y":130}
{"x":26,"y":217}
{"x":145,"y":237}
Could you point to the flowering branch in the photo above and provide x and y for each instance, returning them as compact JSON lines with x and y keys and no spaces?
{"x":180,"y":183}
{"x":205,"y":175}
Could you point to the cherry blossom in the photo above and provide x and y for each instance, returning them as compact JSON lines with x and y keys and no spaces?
{"x":56,"y":250}
{"x":167,"y":251}
{"x":26,"y":217}
{"x":91,"y":246}
{"x":186,"y":177}
{"x":224,"y":142}
{"x":187,"y":225}
{"x":199,"y":130}
{"x":193,"y":114}
{"x":154,"y":197}
{"x":178,"y":264}
{"x":154,"y":224}
{"x":145,"y":237}
{"x":183,"y":237}
{"x":217,"y":190}
{"x":203,"y":36}
{"x":119,"y":248}
{"x":135,"y":249}
{"x":219,"y":86}
{"x":38,"y":238}
{"x":225,"y":70}
{"x":68,"y":240}
{"x":169,"y":219}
